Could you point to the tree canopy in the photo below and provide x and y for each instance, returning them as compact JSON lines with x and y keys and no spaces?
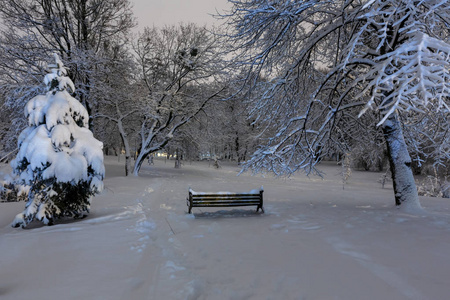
{"x":327,"y":63}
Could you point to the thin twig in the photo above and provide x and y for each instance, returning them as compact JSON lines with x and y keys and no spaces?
{"x":170,"y":226}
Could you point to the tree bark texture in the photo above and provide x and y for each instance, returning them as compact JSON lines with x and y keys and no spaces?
{"x":400,"y":162}
{"x":126,"y":145}
{"x":127,"y":164}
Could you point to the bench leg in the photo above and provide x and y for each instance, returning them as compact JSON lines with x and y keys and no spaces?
{"x":260,"y":207}
{"x":189,"y":204}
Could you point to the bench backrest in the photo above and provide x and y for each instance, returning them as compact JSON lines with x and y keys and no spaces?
{"x":225,"y":199}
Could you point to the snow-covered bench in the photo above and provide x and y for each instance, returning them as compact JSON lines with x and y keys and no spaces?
{"x":223,"y":199}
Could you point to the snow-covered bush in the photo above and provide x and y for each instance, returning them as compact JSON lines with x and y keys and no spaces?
{"x":369,"y":157}
{"x":59,"y":159}
{"x":445,"y":187}
{"x":346,"y":170}
{"x":9,"y":192}
{"x":434,"y":186}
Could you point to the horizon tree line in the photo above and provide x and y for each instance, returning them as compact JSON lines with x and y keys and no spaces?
{"x":284,"y":86}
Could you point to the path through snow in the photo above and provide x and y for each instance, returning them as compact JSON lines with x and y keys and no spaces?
{"x":315,"y":241}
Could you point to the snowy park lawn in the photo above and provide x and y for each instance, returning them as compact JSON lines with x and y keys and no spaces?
{"x":315,"y":241}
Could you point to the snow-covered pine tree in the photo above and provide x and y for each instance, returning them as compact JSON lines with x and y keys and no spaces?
{"x":59,"y":159}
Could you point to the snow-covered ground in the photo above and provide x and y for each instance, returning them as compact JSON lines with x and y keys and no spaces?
{"x":315,"y":241}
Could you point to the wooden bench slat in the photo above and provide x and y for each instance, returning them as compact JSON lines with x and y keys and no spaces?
{"x":226,"y":202}
{"x":225,"y":199}
{"x":225,"y":205}
{"x":228,"y":198}
{"x":225,"y":195}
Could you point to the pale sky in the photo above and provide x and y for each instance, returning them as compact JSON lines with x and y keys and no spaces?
{"x":168,"y":12}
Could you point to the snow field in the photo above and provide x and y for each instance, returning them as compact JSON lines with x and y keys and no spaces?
{"x":315,"y":241}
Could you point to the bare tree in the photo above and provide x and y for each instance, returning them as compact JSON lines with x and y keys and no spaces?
{"x":224,"y":130}
{"x":428,"y":138}
{"x":78,"y":31}
{"x":178,"y":68}
{"x":120,"y":99}
{"x":391,"y":56}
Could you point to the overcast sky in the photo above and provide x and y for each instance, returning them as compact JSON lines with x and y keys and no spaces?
{"x":162,"y":12}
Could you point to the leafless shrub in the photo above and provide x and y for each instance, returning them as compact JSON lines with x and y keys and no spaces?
{"x":434,"y":186}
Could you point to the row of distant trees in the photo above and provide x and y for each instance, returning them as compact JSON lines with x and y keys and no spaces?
{"x":140,"y":90}
{"x":283,"y":86}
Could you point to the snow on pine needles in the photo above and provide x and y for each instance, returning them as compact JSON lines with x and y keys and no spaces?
{"x":59,"y":160}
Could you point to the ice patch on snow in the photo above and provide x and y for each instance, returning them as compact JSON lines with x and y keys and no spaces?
{"x":171,"y":268}
{"x":363,"y":206}
{"x":277,"y":226}
{"x":311,"y":227}
{"x":145,"y":226}
{"x":165,"y":206}
{"x":115,"y":217}
{"x":195,"y":289}
{"x":189,"y":216}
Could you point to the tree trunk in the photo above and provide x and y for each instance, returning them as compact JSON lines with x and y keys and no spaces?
{"x":405,"y":188}
{"x":145,"y":150}
{"x":126,"y":145}
{"x":177,"y":160}
{"x":139,"y":160}
{"x":127,"y":164}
